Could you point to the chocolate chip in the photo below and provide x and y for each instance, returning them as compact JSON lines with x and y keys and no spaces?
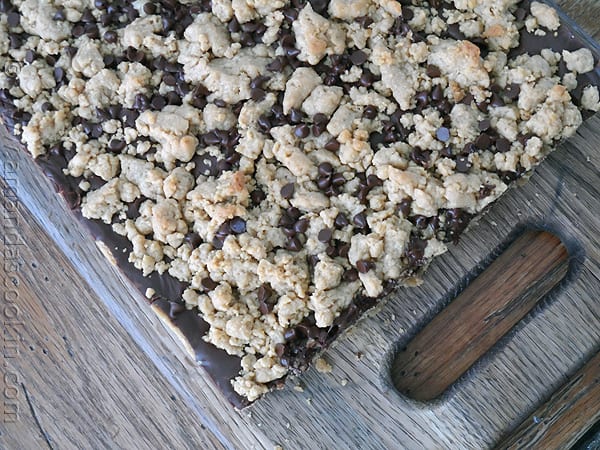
{"x":422,"y":98}
{"x":301,"y":226}
{"x":483,"y":142}
{"x":364,"y":266}
{"x":407,"y":13}
{"x":332,"y":145}
{"x":370,"y":112}
{"x":350,"y":275}
{"x":193,"y":239}
{"x":208,"y":284}
{"x":59,"y":74}
{"x":277,"y":64}
{"x":376,"y":139}
{"x":264,"y":293}
{"x":343,"y":249}
{"x":341,"y":220}
{"x":296,"y":116}
{"x":169,"y":79}
{"x":360,"y":221}
{"x":444,"y":106}
{"x":173,"y":98}
{"x":293,"y":212}
{"x":96,"y":131}
{"x":289,"y":232}
{"x":78,"y":31}
{"x":420,"y":221}
{"x":257,"y":94}
{"x":158,"y":102}
{"x":512,"y":91}
{"x":224,"y":230}
{"x":462,"y":164}
{"x":218,"y":242}
{"x":373,"y":181}
{"x":302,"y":131}
{"x":140,"y":102}
{"x":290,"y":334}
{"x":404,"y":207}
{"x":237,"y":225}
{"x":149,"y":8}
{"x":59,"y":15}
{"x":331,"y":251}
{"x":13,"y":19}
{"x":467,"y":99}
{"x":29,"y":56}
{"x":325,"y":169}
{"x":294,"y":244}
{"x":288,"y":43}
{"x":484,"y":125}
{"x":503,"y":145}
{"x":433,"y":71}
{"x":358,"y":57}
{"x":129,"y":117}
{"x":469,"y":148}
{"x":257,"y":196}
{"x":361,"y":194}
{"x":483,"y":106}
{"x":447,"y":152}
{"x":338,"y":179}
{"x":110,"y":37}
{"x":320,"y":6}
{"x":443,"y":134}
{"x":287,"y":191}
{"x":496,"y":100}
{"x":87,"y":16}
{"x":367,"y":78}
{"x":325,"y":235}
{"x":437,"y":93}
{"x":455,"y":33}
{"x":456,"y":221}
{"x":211,"y":138}
{"x":415,"y":251}
{"x":420,"y":156}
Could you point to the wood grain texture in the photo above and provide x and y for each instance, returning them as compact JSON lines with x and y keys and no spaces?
{"x":565,"y":417}
{"x":485,"y":311}
{"x":355,"y":406}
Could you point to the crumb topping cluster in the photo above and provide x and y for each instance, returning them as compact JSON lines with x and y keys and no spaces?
{"x":285,"y":160}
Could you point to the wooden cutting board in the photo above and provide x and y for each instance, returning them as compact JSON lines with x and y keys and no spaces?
{"x":534,"y":382}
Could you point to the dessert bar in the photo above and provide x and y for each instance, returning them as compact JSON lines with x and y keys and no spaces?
{"x":266,"y":171}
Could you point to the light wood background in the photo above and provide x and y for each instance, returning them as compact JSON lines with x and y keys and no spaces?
{"x":88,"y":365}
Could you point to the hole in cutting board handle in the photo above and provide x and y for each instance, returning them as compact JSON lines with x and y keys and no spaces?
{"x":488,"y":308}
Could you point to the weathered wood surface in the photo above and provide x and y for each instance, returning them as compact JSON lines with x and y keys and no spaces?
{"x":479,"y":316}
{"x":109,"y":395}
{"x":560,"y":421}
